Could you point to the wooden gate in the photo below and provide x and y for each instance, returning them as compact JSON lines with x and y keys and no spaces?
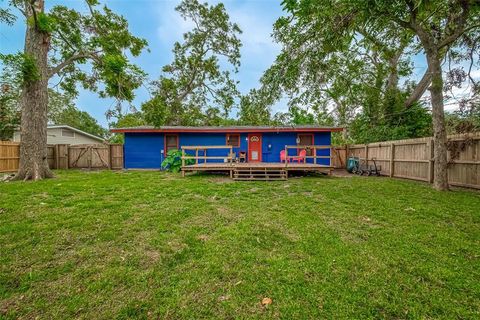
{"x":89,"y":156}
{"x":339,"y":157}
{"x":116,"y":156}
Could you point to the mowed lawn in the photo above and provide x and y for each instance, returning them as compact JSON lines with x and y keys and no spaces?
{"x":148,"y":245}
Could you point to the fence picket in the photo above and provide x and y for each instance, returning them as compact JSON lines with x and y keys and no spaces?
{"x":413,"y":159}
{"x":63,"y":156}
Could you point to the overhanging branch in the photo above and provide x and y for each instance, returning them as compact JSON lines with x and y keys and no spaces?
{"x":420,"y":89}
{"x":82,"y":55}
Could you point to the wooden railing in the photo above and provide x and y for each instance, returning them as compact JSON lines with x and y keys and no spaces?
{"x":204,"y":157}
{"x":314,"y":155}
{"x":230,"y":157}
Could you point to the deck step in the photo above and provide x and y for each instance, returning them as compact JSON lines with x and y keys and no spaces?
{"x":261,"y":174}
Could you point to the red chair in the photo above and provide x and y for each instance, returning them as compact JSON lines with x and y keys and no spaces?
{"x":301,"y":156}
{"x":283,"y":158}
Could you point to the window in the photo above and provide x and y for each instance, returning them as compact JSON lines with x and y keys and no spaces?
{"x":68,"y":133}
{"x":171,"y":142}
{"x":233,"y":140}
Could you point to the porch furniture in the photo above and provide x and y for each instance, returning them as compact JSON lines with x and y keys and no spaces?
{"x":301,"y":156}
{"x":283,"y":157}
{"x":232,"y":157}
{"x":314,"y":155}
{"x":242,"y":156}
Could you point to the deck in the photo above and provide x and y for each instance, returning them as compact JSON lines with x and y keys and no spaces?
{"x":257,"y":165}
{"x":258,"y":170}
{"x":252,"y":170}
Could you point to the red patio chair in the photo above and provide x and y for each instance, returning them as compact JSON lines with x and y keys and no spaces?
{"x":283,"y":158}
{"x":301,"y":156}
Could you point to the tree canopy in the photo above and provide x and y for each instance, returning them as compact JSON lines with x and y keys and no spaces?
{"x":351,"y":62}
{"x":91,"y":50}
{"x":195,"y":89}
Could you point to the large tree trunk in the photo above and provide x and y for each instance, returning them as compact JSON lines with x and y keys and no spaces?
{"x":440,"y":178}
{"x":34,"y":101}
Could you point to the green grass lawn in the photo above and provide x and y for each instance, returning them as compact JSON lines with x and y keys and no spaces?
{"x":153,"y":245}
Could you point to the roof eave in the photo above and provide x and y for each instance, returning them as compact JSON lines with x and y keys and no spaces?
{"x":60,"y":126}
{"x":220,"y":130}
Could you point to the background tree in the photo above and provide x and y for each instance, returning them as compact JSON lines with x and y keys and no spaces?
{"x":438,"y":25}
{"x":134,"y":119}
{"x":194,"y":89}
{"x":336,"y":70}
{"x":255,"y":108}
{"x":56,"y":44}
{"x":324,"y":31}
{"x":61,"y":108}
{"x":10,"y":110}
{"x":81,"y":120}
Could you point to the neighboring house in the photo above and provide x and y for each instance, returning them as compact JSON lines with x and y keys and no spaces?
{"x":63,"y":134}
{"x":146,"y":147}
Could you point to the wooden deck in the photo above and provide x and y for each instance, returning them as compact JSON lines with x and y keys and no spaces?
{"x":252,"y":170}
{"x":256,"y":165}
{"x":258,"y":170}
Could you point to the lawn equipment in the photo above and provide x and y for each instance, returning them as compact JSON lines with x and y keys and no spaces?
{"x":364,"y":168}
{"x":353,"y":164}
{"x":356,"y":166}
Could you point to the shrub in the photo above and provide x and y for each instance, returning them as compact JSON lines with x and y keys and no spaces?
{"x":173,"y":161}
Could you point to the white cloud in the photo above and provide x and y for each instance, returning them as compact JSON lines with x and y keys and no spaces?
{"x":256,"y":27}
{"x":171,"y":25}
{"x":256,"y":36}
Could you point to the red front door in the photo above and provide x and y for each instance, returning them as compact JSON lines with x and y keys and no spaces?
{"x":254,"y":147}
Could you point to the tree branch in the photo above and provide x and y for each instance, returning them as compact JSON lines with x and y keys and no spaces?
{"x":34,"y":12}
{"x":454,"y":36}
{"x":459,"y":24}
{"x":66,"y":40}
{"x":82,"y":55}
{"x":419,"y":90}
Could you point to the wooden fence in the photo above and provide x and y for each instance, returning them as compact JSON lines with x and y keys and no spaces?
{"x":9,"y":156}
{"x":413,"y":158}
{"x":339,"y":157}
{"x":64,"y":156}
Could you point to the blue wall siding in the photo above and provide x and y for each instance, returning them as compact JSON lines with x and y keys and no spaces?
{"x":211,"y":139}
{"x":322,"y":139}
{"x":277,"y":143}
{"x":144,"y":150}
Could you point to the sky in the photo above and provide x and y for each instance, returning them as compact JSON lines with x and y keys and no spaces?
{"x":159,"y":23}
{"x":161,"y":26}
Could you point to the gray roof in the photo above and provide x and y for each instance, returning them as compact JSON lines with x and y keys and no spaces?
{"x":64,"y":126}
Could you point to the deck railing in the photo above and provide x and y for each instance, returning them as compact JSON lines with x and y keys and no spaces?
{"x":230,"y":157}
{"x":204,"y":157}
{"x":314,"y":155}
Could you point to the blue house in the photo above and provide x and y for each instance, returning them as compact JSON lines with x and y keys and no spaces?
{"x":146,"y":147}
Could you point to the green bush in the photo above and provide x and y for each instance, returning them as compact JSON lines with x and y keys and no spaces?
{"x":173,"y":161}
